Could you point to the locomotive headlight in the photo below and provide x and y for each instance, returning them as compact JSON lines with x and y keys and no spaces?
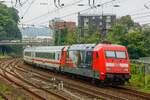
{"x":123,"y":65}
{"x":125,"y":69}
{"x":108,"y":69}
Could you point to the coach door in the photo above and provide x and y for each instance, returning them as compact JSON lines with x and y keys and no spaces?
{"x":87,"y":65}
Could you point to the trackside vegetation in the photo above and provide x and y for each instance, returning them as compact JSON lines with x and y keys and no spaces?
{"x":140,"y":76}
{"x":8,"y":28}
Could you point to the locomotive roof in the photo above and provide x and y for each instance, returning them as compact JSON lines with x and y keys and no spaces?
{"x":109,"y":47}
{"x":82,"y":47}
{"x":44,"y":49}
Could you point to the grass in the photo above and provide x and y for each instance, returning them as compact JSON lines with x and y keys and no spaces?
{"x":19,"y":98}
{"x":1,"y":98}
{"x":3,"y":56}
{"x":5,"y":89}
{"x":138,"y":79}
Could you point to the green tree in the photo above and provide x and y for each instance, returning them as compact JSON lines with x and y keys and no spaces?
{"x":130,"y":34}
{"x":71,"y":38}
{"x":8,"y":28}
{"x":136,"y":43}
{"x":60,"y":36}
{"x":93,"y":38}
{"x":8,"y":23}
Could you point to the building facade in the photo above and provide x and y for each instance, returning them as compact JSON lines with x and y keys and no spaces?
{"x":60,"y":24}
{"x":99,"y":23}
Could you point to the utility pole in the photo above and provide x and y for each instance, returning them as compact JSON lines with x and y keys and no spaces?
{"x":102,"y":25}
{"x":103,"y":30}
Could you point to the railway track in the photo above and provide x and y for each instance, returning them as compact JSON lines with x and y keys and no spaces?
{"x":111,"y":93}
{"x":3,"y":96}
{"x":6,"y":71}
{"x":123,"y":93}
{"x":11,"y":78}
{"x":131,"y":92}
{"x":98,"y":91}
{"x":82,"y":89}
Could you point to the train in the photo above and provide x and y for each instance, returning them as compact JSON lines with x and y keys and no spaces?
{"x":106,"y":63}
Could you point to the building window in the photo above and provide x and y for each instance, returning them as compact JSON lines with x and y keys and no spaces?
{"x":86,"y":23}
{"x":93,"y":17}
{"x":108,"y":26}
{"x":100,"y":23}
{"x":100,"y":17}
{"x":108,"y":19}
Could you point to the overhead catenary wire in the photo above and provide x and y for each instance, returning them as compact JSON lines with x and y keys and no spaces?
{"x":79,"y":11}
{"x":31,"y":25}
{"x":50,"y":12}
{"x":142,"y":21}
{"x":147,"y":23}
{"x":26,"y":11}
{"x":141,"y":13}
{"x":18,"y":1}
{"x":23,"y":3}
{"x":137,"y":12}
{"x":91,"y":3}
{"x":55,"y":4}
{"x":41,"y":23}
{"x":60,"y":4}
{"x":139,"y":17}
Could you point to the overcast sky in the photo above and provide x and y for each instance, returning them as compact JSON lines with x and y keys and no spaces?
{"x":39,"y":12}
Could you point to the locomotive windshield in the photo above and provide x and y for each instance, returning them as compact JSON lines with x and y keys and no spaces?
{"x":110,"y":54}
{"x":115,"y":54}
{"x":121,"y":54}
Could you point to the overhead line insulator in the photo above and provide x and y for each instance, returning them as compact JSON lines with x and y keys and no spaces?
{"x":55,"y":4}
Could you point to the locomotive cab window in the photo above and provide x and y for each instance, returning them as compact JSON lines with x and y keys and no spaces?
{"x":110,"y":54}
{"x":120,"y":54}
{"x":116,"y":54}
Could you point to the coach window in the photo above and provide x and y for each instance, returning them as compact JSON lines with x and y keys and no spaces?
{"x":52,"y":55}
{"x":57,"y":55}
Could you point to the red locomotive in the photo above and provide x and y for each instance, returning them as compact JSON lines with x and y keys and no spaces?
{"x":105,"y":62}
